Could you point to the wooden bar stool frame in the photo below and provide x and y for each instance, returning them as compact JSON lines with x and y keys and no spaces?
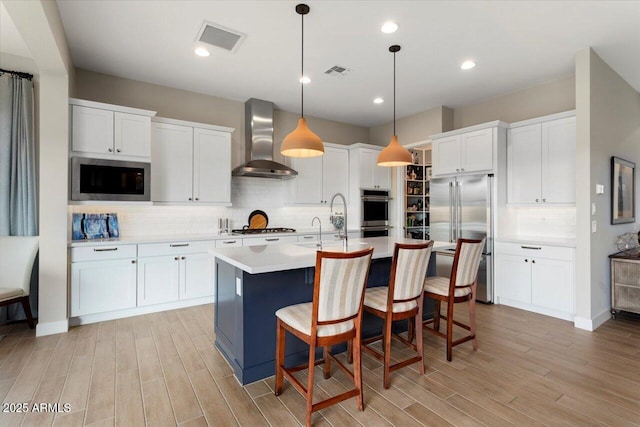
{"x":353,"y":337}
{"x":450,"y":299}
{"x":414,"y":317}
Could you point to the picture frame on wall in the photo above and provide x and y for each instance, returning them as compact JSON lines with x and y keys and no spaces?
{"x":623,"y":192}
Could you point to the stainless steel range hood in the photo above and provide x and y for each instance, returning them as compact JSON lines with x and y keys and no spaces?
{"x":259,"y":143}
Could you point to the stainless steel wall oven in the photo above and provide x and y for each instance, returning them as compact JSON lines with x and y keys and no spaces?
{"x":375,"y":213}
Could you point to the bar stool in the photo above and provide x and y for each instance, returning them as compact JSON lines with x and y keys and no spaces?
{"x":402,"y":299}
{"x":459,"y":287}
{"x":334,"y":316}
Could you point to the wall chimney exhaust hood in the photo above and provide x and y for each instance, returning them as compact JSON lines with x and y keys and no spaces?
{"x":259,"y":143}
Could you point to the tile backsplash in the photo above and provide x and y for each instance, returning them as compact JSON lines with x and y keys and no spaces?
{"x":545,"y":222}
{"x":247,"y":194}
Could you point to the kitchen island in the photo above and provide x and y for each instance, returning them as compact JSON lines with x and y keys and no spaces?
{"x":253,"y":282}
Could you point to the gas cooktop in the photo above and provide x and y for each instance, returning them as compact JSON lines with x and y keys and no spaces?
{"x":263,"y":230}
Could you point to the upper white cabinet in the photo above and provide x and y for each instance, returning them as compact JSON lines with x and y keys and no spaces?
{"x":469,"y":150}
{"x":110,"y":131}
{"x":320,"y":177}
{"x":373,"y":176}
{"x":541,"y":160}
{"x":191,"y":163}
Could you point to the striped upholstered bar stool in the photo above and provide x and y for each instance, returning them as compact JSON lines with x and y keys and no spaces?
{"x":334,"y":316}
{"x":459,"y":287}
{"x":402,"y":299}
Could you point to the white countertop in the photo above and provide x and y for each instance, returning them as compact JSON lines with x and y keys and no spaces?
{"x":270,"y":258}
{"x":537,"y":240}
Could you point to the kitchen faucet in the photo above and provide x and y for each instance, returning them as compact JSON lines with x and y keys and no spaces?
{"x":319,"y":243}
{"x":333,"y":219}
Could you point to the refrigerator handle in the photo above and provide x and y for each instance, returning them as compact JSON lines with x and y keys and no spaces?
{"x":451,"y":204}
{"x":459,"y":210}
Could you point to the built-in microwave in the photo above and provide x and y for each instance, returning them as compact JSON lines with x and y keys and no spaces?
{"x":100,"y":179}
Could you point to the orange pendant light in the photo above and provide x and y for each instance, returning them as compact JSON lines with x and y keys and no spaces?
{"x":394,"y":154}
{"x":302,"y":142}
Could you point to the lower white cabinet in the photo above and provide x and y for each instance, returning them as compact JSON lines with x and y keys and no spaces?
{"x":196,"y":278}
{"x":158,"y":279}
{"x":537,"y":278}
{"x":102,"y":279}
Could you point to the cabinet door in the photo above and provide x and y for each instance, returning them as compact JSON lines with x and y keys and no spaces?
{"x":368,"y":159}
{"x":335,"y":172}
{"x":307,"y":186}
{"x":476,"y":151}
{"x":196,"y":276}
{"x":211,"y":166}
{"x":132,"y":134}
{"x":171,"y":163}
{"x":446,"y":155}
{"x":158,"y":279}
{"x":92,"y":130}
{"x":381,"y":176}
{"x":513,"y":278}
{"x":99,"y":286}
{"x":524,"y":159}
{"x":552,"y":284}
{"x":559,"y":161}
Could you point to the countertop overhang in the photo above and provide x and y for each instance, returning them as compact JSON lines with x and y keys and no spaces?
{"x":270,"y":258}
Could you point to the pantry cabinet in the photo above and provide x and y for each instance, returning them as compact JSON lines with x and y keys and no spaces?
{"x":534,"y":277}
{"x":110,"y":131}
{"x":541,"y":159}
{"x":319,"y":178}
{"x":191,"y":163}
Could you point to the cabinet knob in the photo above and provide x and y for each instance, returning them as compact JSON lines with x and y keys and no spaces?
{"x":457,"y":170}
{"x":462,"y":169}
{"x":537,"y":200}
{"x":544,"y":200}
{"x":118,"y":150}
{"x":197,"y":198}
{"x":110,"y":150}
{"x":133,"y":261}
{"x":526,"y":260}
{"x":176,"y":258}
{"x":192,"y":199}
{"x":533,"y":261}
{"x":184,"y":257}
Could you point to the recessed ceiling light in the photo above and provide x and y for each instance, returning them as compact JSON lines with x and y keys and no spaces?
{"x":200,"y":51}
{"x":467,"y":65}
{"x":378,"y":101}
{"x":389,"y":27}
{"x":305,"y":80}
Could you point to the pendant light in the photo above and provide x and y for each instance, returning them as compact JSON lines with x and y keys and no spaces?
{"x":302,"y":142}
{"x":394,"y":154}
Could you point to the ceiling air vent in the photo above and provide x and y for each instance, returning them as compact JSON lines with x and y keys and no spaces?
{"x":219,"y":36}
{"x":338,"y":70}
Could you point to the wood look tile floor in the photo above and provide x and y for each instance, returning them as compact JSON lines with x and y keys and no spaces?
{"x":162,"y":369}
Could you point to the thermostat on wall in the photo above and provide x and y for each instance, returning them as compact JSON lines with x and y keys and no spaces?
{"x":599,"y":189}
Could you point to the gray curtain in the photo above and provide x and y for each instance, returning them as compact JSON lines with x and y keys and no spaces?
{"x":18,"y":185}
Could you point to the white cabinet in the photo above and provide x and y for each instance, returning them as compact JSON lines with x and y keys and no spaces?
{"x":190,"y":164}
{"x":319,"y":178}
{"x":271,"y":240}
{"x":471,"y":151}
{"x":103,"y":279}
{"x":110,"y":131}
{"x":541,"y":160}
{"x":174,"y":271}
{"x":373,"y":176}
{"x":536,"y":278}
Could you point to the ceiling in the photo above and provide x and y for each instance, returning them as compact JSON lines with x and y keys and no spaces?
{"x":516,"y":44}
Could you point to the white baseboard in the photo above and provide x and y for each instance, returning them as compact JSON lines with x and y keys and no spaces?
{"x":536,"y":309}
{"x":119,"y":314}
{"x":592,"y":324}
{"x":50,"y":328}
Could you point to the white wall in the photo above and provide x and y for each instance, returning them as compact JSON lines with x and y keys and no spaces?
{"x":608,"y":124}
{"x":39,"y":24}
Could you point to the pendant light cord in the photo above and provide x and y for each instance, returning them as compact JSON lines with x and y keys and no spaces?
{"x":394,"y":93}
{"x":302,"y":73}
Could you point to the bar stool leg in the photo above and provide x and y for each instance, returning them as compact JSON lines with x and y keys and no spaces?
{"x":450,"y":329}
{"x":387,"y":350}
{"x":327,"y":361}
{"x":280,"y":337}
{"x":436,"y":315}
{"x":472,"y":321}
{"x":357,"y":369}
{"x":312,"y":357}
{"x":417,"y":325}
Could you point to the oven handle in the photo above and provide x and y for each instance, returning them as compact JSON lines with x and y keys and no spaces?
{"x":376,"y":228}
{"x":376,"y":199}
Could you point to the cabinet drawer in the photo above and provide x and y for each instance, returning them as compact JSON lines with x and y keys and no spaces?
{"x":103,"y":252}
{"x":172,"y":248}
{"x":535,"y":250}
{"x":274,"y":240}
{"x":307,"y":238}
{"x":234,"y":241}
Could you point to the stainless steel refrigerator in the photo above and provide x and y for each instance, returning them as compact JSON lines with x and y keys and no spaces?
{"x":461,"y":207}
